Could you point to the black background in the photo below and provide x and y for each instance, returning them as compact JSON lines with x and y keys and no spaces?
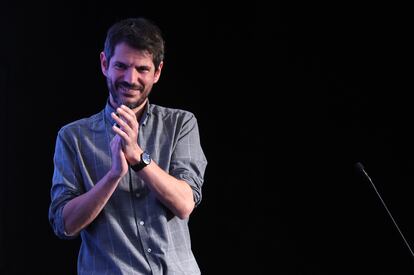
{"x":288,"y":99}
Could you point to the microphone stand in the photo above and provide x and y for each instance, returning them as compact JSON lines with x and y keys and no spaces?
{"x":360,"y":167}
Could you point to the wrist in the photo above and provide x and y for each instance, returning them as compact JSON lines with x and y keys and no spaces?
{"x":144,"y":160}
{"x":136,"y":159}
{"x":114,"y":176}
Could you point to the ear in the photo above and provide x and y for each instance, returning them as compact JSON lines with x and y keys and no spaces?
{"x":158,"y":72}
{"x":104,"y":63}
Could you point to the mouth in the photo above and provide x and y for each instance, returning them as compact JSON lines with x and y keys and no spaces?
{"x":127,"y":92}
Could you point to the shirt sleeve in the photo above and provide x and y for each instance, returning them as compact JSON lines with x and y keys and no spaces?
{"x":65,"y":182}
{"x":188,"y":161}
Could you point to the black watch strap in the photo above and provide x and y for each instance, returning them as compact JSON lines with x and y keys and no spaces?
{"x":137,"y":167}
{"x":145,"y":159}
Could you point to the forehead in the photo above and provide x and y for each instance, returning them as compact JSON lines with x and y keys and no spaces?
{"x":125,"y":53}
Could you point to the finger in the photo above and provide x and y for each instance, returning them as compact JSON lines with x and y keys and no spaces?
{"x":121,"y":123}
{"x":128,"y":115}
{"x":130,"y":131}
{"x":128,"y":110}
{"x":124,"y":136}
{"x":116,"y":144}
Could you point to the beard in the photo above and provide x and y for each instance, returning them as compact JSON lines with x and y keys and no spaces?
{"x":116,"y":93}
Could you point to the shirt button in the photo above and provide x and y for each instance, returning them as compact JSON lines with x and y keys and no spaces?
{"x":141,"y":222}
{"x":149,"y":250}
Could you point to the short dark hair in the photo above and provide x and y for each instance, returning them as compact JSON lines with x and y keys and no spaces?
{"x":139,"y":33}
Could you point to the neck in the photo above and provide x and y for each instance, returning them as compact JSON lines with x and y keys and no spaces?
{"x":140,"y":109}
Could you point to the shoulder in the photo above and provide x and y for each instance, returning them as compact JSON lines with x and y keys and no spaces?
{"x":166,"y":113}
{"x":81,"y":125}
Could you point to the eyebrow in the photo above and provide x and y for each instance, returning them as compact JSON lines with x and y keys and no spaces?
{"x":140,"y":67}
{"x":143,"y":67}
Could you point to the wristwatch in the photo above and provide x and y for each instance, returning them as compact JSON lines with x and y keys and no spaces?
{"x":145,"y":160}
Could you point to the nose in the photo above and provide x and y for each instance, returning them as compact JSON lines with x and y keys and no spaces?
{"x":131,"y":76}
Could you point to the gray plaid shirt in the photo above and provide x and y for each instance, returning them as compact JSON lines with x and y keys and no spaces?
{"x":134,"y":233}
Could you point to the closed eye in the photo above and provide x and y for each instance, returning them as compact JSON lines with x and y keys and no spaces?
{"x":120,"y":66}
{"x":143,"y":69}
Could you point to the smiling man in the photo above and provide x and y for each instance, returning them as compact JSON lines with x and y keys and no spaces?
{"x":127,"y":179}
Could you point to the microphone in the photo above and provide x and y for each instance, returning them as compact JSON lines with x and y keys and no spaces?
{"x":360,"y":167}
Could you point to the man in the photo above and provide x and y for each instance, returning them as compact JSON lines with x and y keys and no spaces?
{"x":127,"y":179}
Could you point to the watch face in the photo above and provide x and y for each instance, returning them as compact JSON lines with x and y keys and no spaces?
{"x":146,"y":158}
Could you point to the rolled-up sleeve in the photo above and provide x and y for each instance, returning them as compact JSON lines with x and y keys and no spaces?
{"x":188,"y":161}
{"x":65,"y":181}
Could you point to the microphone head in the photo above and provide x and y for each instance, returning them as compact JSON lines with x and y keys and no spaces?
{"x":359,"y":166}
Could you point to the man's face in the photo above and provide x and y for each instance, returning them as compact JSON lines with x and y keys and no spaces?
{"x":130,"y":75}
